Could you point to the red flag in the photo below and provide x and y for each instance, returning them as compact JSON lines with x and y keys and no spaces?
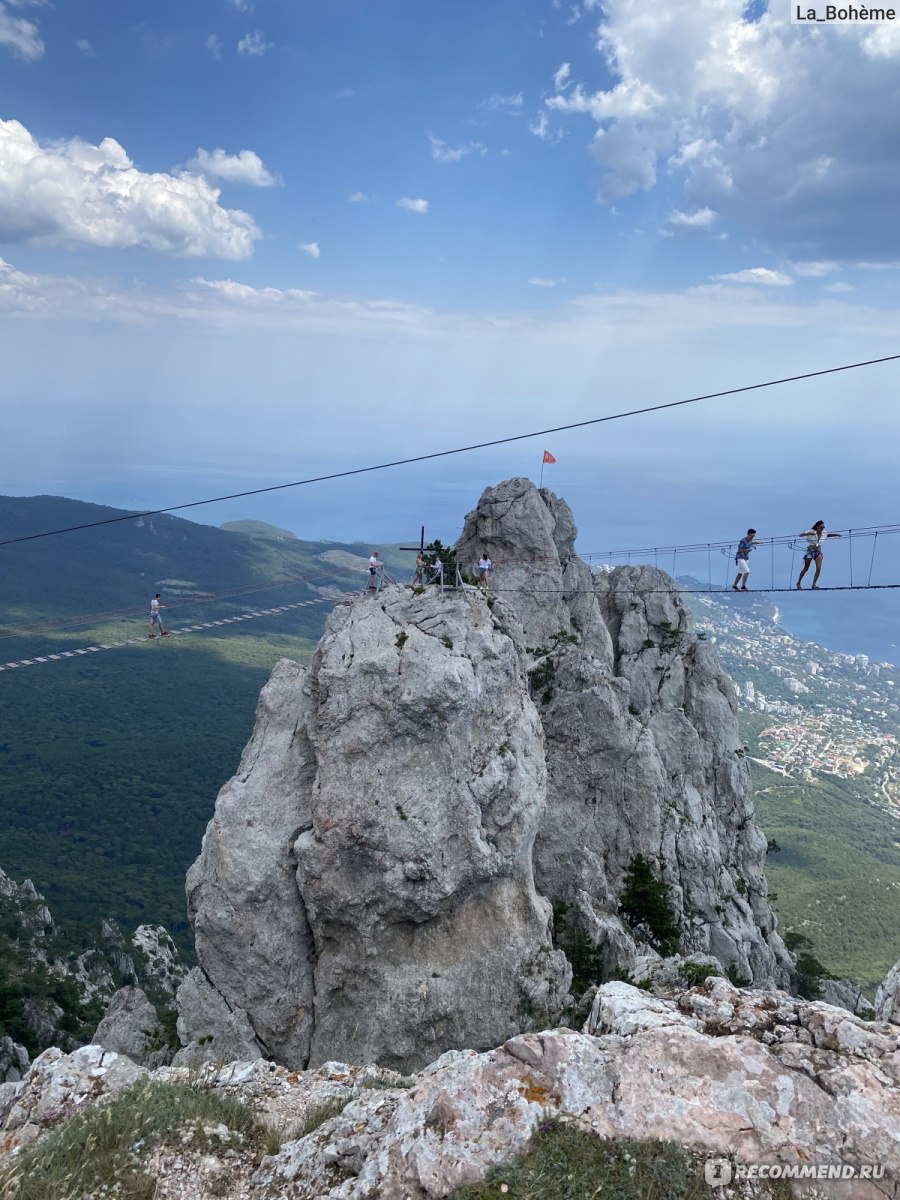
{"x":548,"y":457}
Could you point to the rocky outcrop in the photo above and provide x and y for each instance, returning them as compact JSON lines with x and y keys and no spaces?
{"x":56,"y":1087}
{"x":13,"y":1060}
{"x":887,"y":998}
{"x":158,"y":961}
{"x":748,"y":1076}
{"x":131,"y":1027}
{"x":644,"y":756}
{"x":365,"y":887}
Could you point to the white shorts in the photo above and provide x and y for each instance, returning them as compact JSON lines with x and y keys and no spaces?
{"x":743,"y":567}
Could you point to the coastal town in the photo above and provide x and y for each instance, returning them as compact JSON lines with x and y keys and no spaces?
{"x":823,"y":712}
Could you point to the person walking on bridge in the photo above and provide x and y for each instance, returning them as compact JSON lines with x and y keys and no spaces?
{"x":155,"y":618}
{"x":742,"y":560}
{"x":814,"y":539}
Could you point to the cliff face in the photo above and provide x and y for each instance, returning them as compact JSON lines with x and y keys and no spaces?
{"x":376,"y":881}
{"x":643,"y":751}
{"x":365,"y":888}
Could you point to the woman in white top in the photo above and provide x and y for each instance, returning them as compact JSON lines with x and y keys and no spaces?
{"x":814,"y":539}
{"x":484,"y":566}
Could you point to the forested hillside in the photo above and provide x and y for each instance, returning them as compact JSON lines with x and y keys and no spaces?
{"x":110,"y":764}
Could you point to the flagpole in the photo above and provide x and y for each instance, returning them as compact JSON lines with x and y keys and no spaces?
{"x":541,"y":484}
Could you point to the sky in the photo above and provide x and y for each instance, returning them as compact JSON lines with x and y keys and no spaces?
{"x":245,"y":242}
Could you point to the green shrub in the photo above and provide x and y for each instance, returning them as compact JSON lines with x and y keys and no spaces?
{"x":402,"y":638}
{"x":736,"y":978}
{"x":696,"y":973}
{"x":810,"y":972}
{"x":645,"y":905}
{"x":565,"y":1162}
{"x":99,"y":1151}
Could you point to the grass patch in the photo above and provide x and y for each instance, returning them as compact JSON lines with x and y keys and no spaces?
{"x":318,"y":1114}
{"x":99,"y":1152}
{"x":564,"y":1162}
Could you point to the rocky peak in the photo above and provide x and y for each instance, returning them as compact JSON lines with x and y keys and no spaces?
{"x":377,"y":880}
{"x":366,"y":885}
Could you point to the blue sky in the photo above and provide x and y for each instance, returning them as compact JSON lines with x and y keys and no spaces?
{"x":246,"y":241}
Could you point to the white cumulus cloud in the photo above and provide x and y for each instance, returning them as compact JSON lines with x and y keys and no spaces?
{"x":310,"y":248}
{"x":358,"y":198}
{"x":244,"y":167}
{"x":761,"y":275}
{"x":443,"y":153}
{"x":214,"y":45}
{"x":84,"y":45}
{"x":18,"y":35}
{"x":77,"y":193}
{"x":413,"y":206}
{"x":254,"y":44}
{"x":792,"y":137}
{"x":703,"y":218}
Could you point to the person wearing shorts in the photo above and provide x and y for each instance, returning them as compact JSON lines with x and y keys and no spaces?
{"x":485,"y":566}
{"x":155,"y":618}
{"x":814,"y":539}
{"x":745,"y":546}
{"x":374,"y":564}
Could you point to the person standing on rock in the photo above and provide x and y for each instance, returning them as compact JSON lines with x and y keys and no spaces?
{"x":155,"y":618}
{"x":420,"y":568}
{"x":814,"y":539}
{"x":745,"y":546}
{"x":374,"y":564}
{"x":485,"y":566}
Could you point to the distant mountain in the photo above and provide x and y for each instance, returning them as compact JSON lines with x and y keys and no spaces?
{"x":260,"y":529}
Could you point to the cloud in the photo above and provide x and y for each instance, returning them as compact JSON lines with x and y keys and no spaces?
{"x":760,"y":275}
{"x":19,"y":36}
{"x":244,"y":167}
{"x":214,"y":45}
{"x":413,"y":206}
{"x":791,"y":137}
{"x":443,"y":153}
{"x":254,"y":44}
{"x":815,"y":270}
{"x":838,"y":286}
{"x":540,"y":127}
{"x":243,"y":6}
{"x":86,"y":48}
{"x":703,"y":218}
{"x":537,"y":281}
{"x":508,"y":104}
{"x":561,"y":78}
{"x":345,"y":93}
{"x":358,"y":198}
{"x":75,"y":193}
{"x":310,"y":248}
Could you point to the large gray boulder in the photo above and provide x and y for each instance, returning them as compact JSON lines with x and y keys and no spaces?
{"x":644,"y":756}
{"x":130,"y":1026}
{"x":365,"y":887}
{"x":887,"y":998}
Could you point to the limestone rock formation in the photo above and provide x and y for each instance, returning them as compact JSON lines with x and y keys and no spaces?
{"x":131,"y":1027}
{"x":644,"y":756}
{"x":365,"y":887}
{"x":751,"y":1076}
{"x":13,"y":1060}
{"x":887,"y":998}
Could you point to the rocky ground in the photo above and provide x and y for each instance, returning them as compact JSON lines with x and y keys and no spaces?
{"x":751,"y":1074}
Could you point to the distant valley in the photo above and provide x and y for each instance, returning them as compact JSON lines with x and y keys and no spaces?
{"x":110,"y":764}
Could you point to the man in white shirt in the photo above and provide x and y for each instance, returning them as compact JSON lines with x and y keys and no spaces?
{"x":374,"y":564}
{"x":155,"y":618}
